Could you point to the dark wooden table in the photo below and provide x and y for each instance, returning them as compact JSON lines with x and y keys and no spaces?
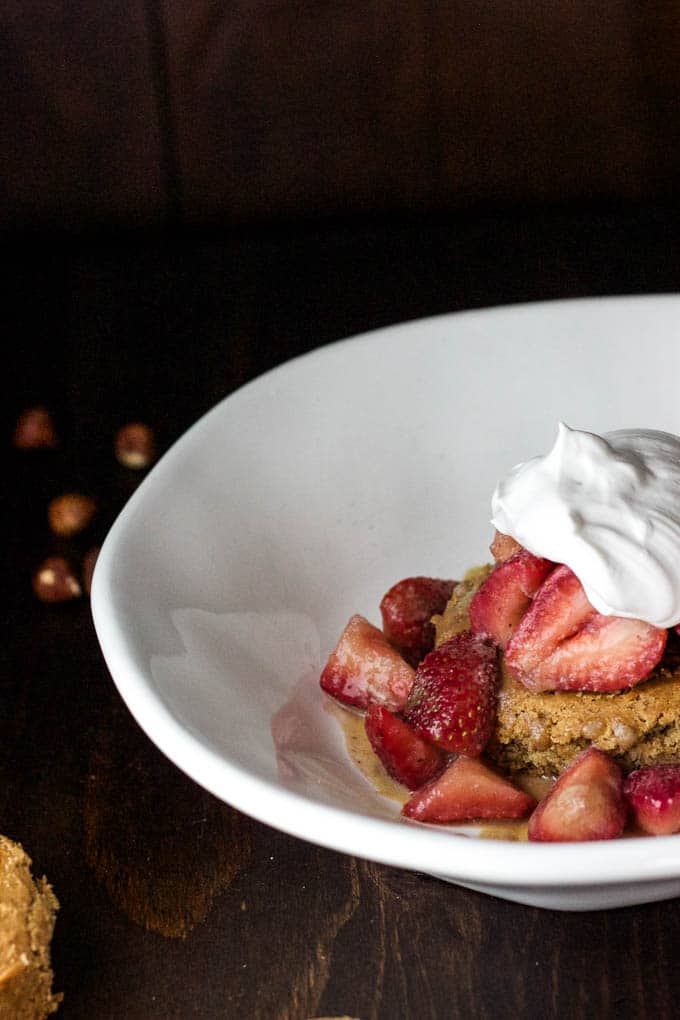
{"x":173,"y":904}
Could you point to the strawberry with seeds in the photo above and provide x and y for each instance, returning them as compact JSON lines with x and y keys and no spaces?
{"x":468,"y":790}
{"x":407,"y":609}
{"x":453,"y":699}
{"x":653,"y":793}
{"x":505,"y":596}
{"x":408,"y":758}
{"x":586,"y":802}
{"x":364,"y":667}
{"x":563,"y":643}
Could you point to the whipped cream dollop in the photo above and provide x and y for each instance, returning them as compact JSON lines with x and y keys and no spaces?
{"x":609,"y":507}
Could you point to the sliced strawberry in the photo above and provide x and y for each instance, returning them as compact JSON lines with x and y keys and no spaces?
{"x":563,"y":643}
{"x":654,"y":796}
{"x":505,"y":596}
{"x":365,"y":667}
{"x":453,"y":699}
{"x":503,"y":547}
{"x":469,"y":789}
{"x":407,"y":609}
{"x":585,"y":803}
{"x":408,"y":758}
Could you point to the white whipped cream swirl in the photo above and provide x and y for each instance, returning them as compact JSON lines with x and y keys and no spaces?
{"x":609,"y":507}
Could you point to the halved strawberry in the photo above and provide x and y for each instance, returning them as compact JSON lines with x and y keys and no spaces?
{"x":364,"y":667}
{"x":453,"y":699}
{"x":654,"y":796}
{"x":503,"y":547}
{"x":505,"y":596}
{"x":408,"y":758}
{"x":467,"y":790}
{"x":585,"y":803}
{"x":563,"y":643}
{"x":407,"y":609}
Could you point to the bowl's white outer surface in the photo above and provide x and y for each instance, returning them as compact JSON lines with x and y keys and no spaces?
{"x":299,"y":500}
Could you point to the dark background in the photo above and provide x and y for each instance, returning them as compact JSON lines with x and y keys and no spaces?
{"x":191,"y":193}
{"x":148,"y":112}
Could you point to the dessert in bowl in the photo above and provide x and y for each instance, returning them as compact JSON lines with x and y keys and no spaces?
{"x":578,"y":607}
{"x":298,"y":501}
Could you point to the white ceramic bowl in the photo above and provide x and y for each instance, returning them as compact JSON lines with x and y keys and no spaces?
{"x":299,"y":500}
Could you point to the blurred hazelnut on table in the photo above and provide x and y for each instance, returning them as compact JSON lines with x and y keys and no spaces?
{"x":70,"y":513}
{"x":54,"y":581}
{"x":89,"y":561}
{"x":35,"y":430}
{"x":135,"y":445}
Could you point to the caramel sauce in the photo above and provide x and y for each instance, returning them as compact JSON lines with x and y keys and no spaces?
{"x":365,"y":759}
{"x":367,"y":762}
{"x":517,"y":831}
{"x":363,"y":756}
{"x":537,"y":787}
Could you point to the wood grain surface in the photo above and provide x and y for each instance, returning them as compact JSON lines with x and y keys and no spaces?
{"x":389,"y":104}
{"x":80,"y":123}
{"x":173,"y":904}
{"x":152,"y":111}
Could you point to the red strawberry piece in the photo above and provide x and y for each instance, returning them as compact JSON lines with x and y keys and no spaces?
{"x":365,"y":667}
{"x":585,"y":803}
{"x":505,"y":596}
{"x":654,"y":796}
{"x":407,"y":609}
{"x":503,"y":547}
{"x":467,"y":790}
{"x":453,"y":699}
{"x":563,"y":643}
{"x":408,"y":758}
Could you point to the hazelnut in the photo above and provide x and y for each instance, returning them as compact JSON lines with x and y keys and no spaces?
{"x":592,"y":729}
{"x":624,"y":734}
{"x":135,"y":445}
{"x":540,"y":736}
{"x":35,"y":429}
{"x":70,"y":513}
{"x":89,"y":561}
{"x":54,"y":581}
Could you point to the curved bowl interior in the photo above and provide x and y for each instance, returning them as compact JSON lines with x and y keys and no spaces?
{"x":301,"y":498}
